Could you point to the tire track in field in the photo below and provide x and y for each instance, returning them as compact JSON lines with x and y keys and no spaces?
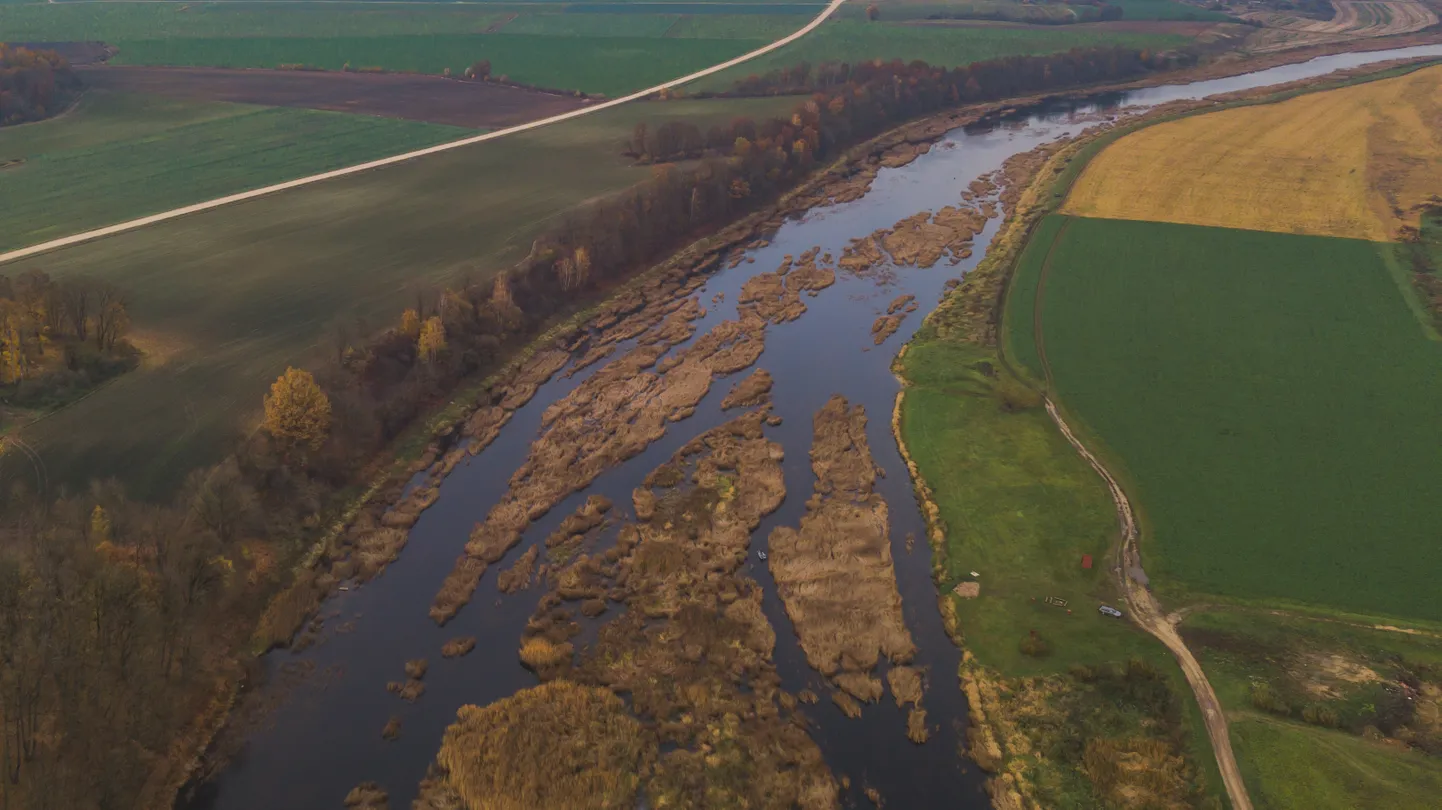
{"x":1144,"y":608}
{"x":196,"y":208}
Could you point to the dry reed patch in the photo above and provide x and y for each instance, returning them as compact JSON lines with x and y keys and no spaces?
{"x":612,"y":416}
{"x":1352,"y":162}
{"x":416,"y":669}
{"x":753,"y":390}
{"x":776,"y":297}
{"x":835,"y":574}
{"x":367,"y":796}
{"x":916,"y":728}
{"x":392,"y":730}
{"x":457,"y":647}
{"x":519,"y":575}
{"x":905,"y":685}
{"x":559,"y":745}
{"x":692,"y":648}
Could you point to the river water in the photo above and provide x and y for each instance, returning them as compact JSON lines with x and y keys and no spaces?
{"x":325,"y":736}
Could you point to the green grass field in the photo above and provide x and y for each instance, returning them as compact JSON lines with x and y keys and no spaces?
{"x":1021,"y":508}
{"x":892,"y":10}
{"x":853,"y":41}
{"x":1165,"y":10}
{"x":224,"y":300}
{"x":611,"y":65}
{"x":1268,"y":398}
{"x":1290,"y":767}
{"x":1310,"y":662}
{"x":120,"y":156}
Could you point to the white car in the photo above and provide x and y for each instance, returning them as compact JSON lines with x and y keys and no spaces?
{"x":1108,"y":610}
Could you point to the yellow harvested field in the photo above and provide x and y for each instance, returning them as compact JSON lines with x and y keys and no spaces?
{"x":1353,"y":162}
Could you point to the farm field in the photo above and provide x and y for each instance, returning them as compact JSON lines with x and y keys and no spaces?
{"x":853,"y":41}
{"x":389,"y":95}
{"x":120,"y":156}
{"x":1267,"y":396}
{"x":1307,"y":694}
{"x":1353,"y":162}
{"x":252,"y":287}
{"x":892,"y":10}
{"x":598,"y":49}
{"x":609,"y":65}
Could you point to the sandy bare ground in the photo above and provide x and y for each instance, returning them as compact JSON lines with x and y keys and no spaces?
{"x":133,"y":224}
{"x":1354,"y":19}
{"x":389,"y":95}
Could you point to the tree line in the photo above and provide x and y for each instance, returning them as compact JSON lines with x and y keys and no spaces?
{"x":34,"y":84}
{"x":118,"y":619}
{"x":58,"y":338}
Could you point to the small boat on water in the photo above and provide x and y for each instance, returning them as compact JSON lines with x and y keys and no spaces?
{"x":760,"y":555}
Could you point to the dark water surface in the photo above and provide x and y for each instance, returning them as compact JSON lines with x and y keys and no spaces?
{"x":325,"y":737}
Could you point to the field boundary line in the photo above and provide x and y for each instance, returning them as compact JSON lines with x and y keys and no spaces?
{"x":134,"y":224}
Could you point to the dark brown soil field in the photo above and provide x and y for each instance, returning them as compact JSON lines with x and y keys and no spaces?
{"x":390,"y":95}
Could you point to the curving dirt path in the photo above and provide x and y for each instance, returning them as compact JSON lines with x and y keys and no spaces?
{"x":133,"y":224}
{"x":1145,"y":610}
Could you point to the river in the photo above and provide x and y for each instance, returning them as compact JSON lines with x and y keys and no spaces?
{"x":324,"y":737}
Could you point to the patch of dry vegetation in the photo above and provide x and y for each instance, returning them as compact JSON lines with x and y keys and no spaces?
{"x":693,"y":648}
{"x":621,"y":409}
{"x":753,"y":390}
{"x":776,"y":297}
{"x":519,"y":575}
{"x":559,"y":745}
{"x":457,"y":647}
{"x":1024,"y":731}
{"x":368,"y":796}
{"x":835,"y":574}
{"x":1352,"y":162}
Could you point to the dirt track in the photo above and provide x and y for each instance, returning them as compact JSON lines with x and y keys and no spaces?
{"x":1145,"y":610}
{"x":390,"y":95}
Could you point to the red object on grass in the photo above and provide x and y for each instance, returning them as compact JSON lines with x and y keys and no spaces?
{"x":1086,"y":561}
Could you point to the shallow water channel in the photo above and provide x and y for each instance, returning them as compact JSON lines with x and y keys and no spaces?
{"x":325,"y":738}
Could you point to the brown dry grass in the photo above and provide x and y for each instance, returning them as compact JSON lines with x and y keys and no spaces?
{"x":367,"y":796}
{"x":905,"y":685}
{"x":457,"y":647}
{"x":692,"y":648}
{"x":416,"y":669}
{"x":559,"y":745}
{"x":753,"y":390}
{"x":916,"y":729}
{"x":1352,"y":162}
{"x":835,"y":574}
{"x":519,"y":575}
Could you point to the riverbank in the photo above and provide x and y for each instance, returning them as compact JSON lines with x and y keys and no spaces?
{"x":1032,"y":515}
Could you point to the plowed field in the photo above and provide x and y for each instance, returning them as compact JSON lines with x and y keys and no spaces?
{"x":1354,"y":162}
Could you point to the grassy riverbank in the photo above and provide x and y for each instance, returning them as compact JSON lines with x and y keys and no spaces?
{"x":1258,"y":323}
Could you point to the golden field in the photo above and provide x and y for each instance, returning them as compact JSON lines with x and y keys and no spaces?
{"x":1353,"y":162}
